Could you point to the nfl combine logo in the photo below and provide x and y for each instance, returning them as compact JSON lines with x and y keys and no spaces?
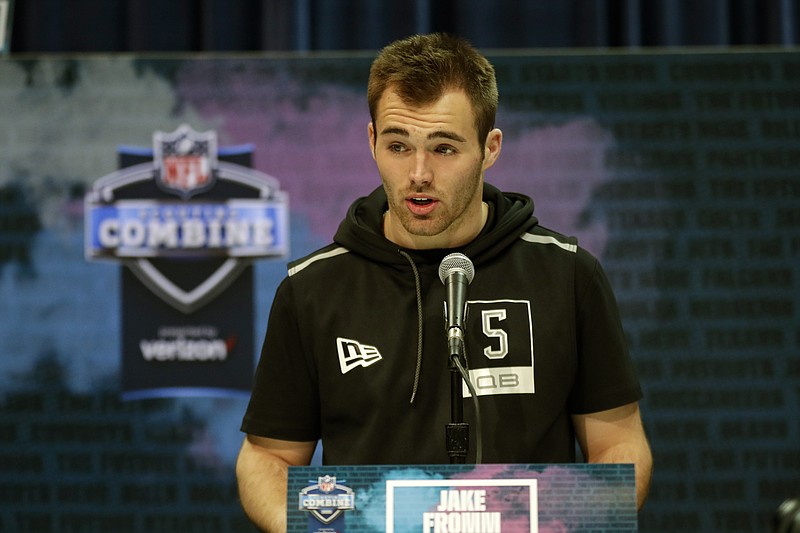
{"x":326,"y":502}
{"x":186,"y":220}
{"x":127,"y":223}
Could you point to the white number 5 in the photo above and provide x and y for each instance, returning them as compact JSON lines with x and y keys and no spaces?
{"x":487,"y":318}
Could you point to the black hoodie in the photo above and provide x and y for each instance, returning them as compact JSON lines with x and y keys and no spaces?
{"x":355,"y":351}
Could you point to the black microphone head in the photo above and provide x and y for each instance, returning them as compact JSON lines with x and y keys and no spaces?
{"x":456,"y":262}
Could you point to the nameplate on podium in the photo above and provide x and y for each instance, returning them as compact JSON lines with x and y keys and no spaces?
{"x":502,"y":498}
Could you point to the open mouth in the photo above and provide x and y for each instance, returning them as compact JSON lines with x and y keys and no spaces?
{"x":421,"y":205}
{"x":421,"y":201}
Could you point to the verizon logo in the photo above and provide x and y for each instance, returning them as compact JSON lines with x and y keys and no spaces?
{"x":184,"y":350}
{"x":353,"y":353}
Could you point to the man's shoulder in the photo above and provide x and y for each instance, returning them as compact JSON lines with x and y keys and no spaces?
{"x":316,"y":258}
{"x":554,"y":246}
{"x":539,"y":235}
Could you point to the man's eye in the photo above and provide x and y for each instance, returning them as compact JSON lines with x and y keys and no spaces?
{"x":397,"y":148}
{"x":445,"y":149}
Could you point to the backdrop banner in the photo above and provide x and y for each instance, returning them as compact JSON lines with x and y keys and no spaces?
{"x":677,"y":169}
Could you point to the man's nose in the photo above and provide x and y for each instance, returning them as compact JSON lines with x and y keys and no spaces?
{"x":421,"y":172}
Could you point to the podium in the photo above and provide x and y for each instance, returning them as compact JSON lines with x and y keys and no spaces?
{"x":507,"y":498}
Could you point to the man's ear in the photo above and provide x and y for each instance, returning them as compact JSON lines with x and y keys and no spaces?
{"x":371,"y":132}
{"x":491,"y":150}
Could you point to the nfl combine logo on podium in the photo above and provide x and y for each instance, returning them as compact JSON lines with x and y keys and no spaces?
{"x":326,"y":502}
{"x":186,"y":219}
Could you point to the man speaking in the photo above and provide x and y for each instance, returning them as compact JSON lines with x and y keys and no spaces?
{"x":355,"y":353}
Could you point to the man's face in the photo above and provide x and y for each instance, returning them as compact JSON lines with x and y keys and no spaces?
{"x":431,"y":165}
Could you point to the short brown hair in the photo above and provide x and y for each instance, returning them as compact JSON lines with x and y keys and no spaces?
{"x":421,"y":68}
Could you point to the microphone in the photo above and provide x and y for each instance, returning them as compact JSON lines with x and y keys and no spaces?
{"x":456,"y":272}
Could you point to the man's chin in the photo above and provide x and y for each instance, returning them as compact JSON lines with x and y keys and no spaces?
{"x":422,"y":227}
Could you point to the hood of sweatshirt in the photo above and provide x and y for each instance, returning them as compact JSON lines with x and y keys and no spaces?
{"x":510,"y":215}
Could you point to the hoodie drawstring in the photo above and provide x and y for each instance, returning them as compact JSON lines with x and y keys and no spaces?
{"x":419,"y":323}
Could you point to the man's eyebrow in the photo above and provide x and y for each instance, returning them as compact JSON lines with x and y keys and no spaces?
{"x":395,"y":131}
{"x":444,"y":134}
{"x":438,"y":134}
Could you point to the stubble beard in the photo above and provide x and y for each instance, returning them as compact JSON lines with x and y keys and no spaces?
{"x":447,"y":215}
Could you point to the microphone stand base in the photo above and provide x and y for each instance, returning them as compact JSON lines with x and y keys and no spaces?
{"x":457,"y":437}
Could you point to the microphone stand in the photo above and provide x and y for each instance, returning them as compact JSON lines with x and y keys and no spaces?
{"x":457,"y":431}
{"x":456,"y":272}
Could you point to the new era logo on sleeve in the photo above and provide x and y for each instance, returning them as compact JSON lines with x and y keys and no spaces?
{"x":353,"y":353}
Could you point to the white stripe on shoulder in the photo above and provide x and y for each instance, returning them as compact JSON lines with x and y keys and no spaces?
{"x":541,"y":239}
{"x":333,"y":253}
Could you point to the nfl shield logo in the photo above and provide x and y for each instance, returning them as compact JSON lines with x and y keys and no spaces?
{"x":326,"y":483}
{"x":185,"y":160}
